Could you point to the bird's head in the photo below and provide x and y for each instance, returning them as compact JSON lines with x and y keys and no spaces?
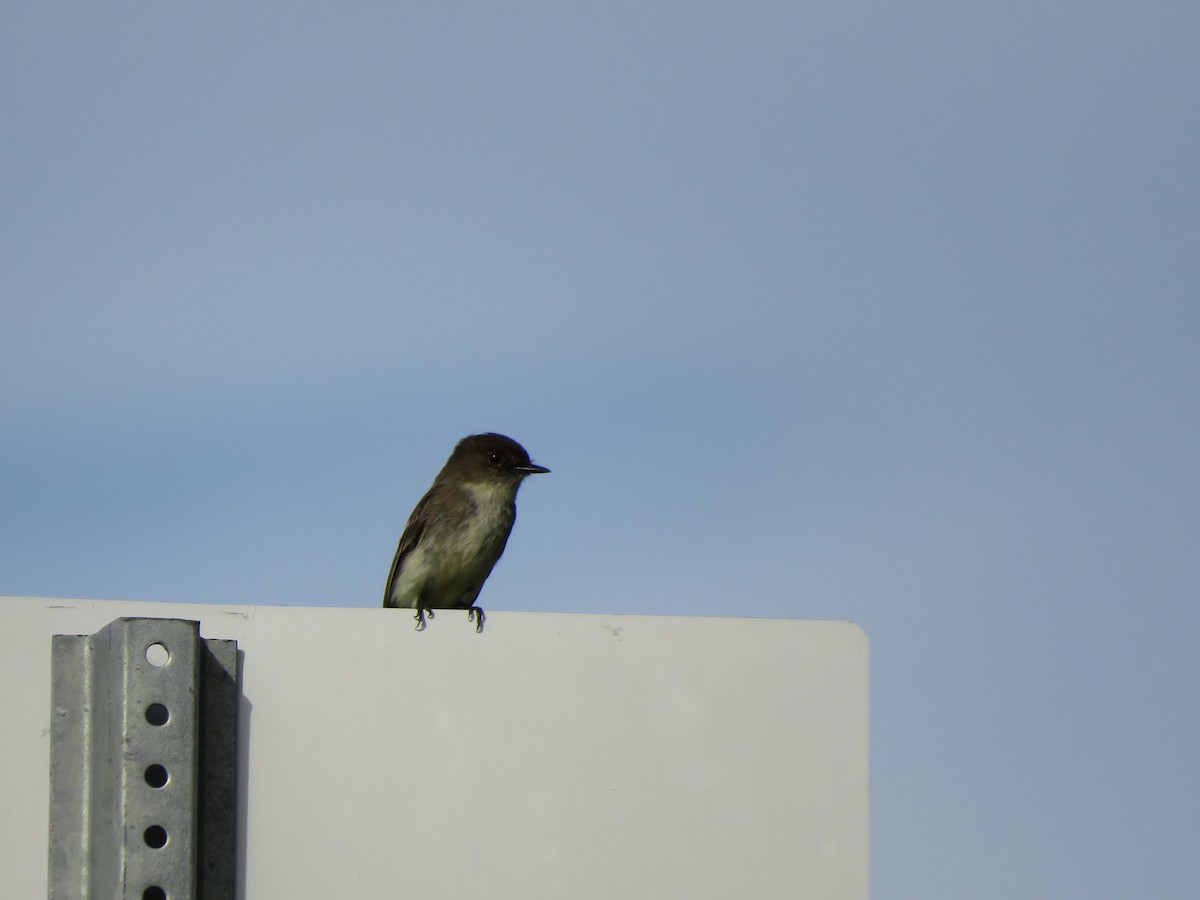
{"x":492,"y":458}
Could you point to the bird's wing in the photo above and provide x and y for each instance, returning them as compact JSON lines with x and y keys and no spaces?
{"x":408,"y":541}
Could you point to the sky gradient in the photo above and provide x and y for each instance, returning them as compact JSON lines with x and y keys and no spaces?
{"x":856,"y":311}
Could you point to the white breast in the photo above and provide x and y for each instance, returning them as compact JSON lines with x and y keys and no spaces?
{"x":464,"y":555}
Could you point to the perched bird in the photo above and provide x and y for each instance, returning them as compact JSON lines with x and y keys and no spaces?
{"x":458,"y":530}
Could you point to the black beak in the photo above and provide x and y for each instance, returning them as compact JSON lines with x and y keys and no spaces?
{"x":531,"y":469}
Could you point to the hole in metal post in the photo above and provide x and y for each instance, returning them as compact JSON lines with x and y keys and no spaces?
{"x":156,"y":714}
{"x":156,"y":775}
{"x":154,"y":893}
{"x":158,"y":655}
{"x":155,"y":836}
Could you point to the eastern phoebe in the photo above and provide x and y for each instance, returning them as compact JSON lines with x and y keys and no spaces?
{"x":458,"y":530}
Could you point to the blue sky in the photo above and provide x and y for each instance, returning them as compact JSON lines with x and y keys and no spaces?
{"x":857,"y":311}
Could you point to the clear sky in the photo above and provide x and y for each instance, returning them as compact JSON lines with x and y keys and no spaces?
{"x":871,"y":311}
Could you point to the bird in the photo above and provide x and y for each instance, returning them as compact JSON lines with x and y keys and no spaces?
{"x":458,"y":530}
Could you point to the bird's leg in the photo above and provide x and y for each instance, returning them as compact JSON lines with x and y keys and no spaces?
{"x":475,"y":614}
{"x":420,"y":617}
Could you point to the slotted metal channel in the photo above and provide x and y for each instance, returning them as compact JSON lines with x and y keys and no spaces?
{"x":143,"y":763}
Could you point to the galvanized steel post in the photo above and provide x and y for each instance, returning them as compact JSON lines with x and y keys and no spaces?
{"x":143,"y":763}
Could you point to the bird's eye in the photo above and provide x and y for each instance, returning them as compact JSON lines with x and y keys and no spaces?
{"x":494,"y":458}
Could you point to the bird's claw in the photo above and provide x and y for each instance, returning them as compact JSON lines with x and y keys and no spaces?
{"x":420,"y":617}
{"x":475,"y":614}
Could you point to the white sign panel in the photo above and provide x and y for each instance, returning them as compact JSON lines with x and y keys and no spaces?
{"x":551,"y":756}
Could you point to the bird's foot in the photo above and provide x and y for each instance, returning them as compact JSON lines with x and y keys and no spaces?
{"x":420,"y":617}
{"x":475,"y":614}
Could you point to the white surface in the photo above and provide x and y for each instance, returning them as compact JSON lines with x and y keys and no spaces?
{"x":574,"y":756}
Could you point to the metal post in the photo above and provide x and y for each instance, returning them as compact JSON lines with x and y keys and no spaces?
{"x":143,"y":759}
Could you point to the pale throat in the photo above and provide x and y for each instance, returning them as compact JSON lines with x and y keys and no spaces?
{"x":493,"y":506}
